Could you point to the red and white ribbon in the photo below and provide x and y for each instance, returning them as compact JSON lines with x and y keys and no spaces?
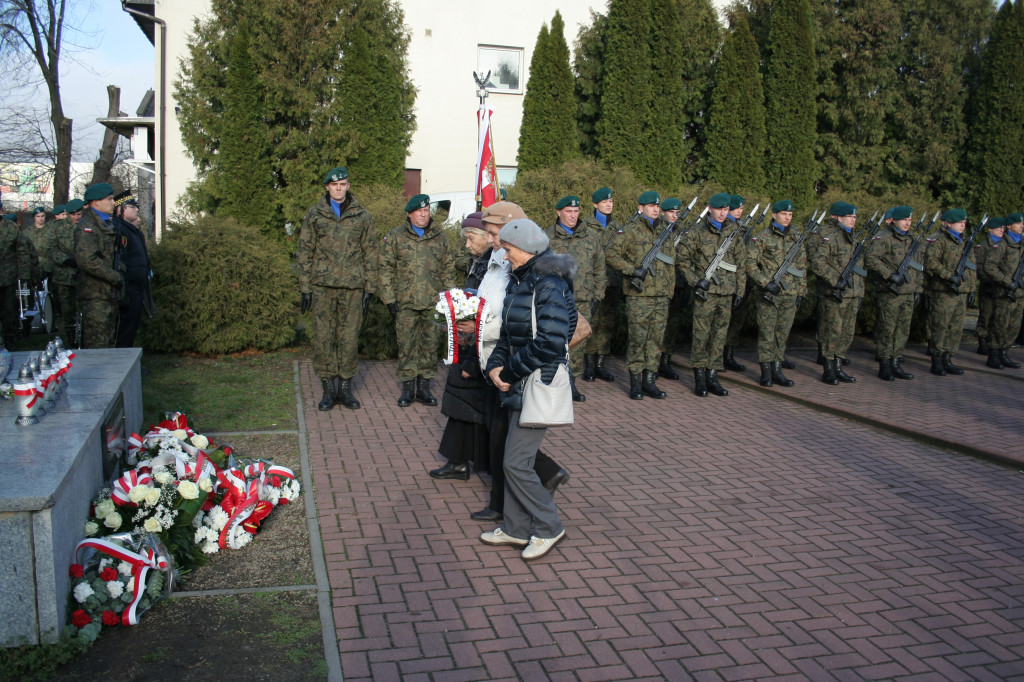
{"x":482,"y":311}
{"x":452,"y":354}
{"x":123,"y":486}
{"x":141,"y":563}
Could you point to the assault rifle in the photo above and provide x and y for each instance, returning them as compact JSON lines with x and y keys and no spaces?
{"x":685,"y":231}
{"x":647,"y":264}
{"x":1015,"y":281}
{"x":787,"y":262}
{"x":718,"y":262}
{"x":851,"y":269}
{"x":964,"y":263}
{"x":751,"y":224}
{"x":908,"y":260}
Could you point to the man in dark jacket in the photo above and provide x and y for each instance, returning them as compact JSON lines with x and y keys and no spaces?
{"x":131,"y":248}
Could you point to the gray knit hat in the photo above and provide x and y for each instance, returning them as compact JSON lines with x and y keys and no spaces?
{"x":525,"y":234}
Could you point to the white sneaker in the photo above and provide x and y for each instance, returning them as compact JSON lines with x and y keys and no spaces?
{"x":538,"y":547}
{"x":498,"y":537}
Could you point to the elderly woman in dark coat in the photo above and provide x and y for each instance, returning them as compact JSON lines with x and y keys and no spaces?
{"x":541,"y":279}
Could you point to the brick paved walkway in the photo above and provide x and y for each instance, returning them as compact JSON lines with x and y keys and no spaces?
{"x":742,"y":538}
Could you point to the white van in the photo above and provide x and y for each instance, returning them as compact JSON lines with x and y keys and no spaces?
{"x":455,"y":205}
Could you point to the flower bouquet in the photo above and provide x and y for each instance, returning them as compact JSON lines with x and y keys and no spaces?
{"x":456,"y":305}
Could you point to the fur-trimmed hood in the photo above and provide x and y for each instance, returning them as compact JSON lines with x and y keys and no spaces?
{"x":547,"y":263}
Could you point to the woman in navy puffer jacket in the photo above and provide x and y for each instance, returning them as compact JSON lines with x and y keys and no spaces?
{"x":543,"y":279}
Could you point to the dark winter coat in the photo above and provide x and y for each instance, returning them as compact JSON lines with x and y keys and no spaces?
{"x":465,"y":398}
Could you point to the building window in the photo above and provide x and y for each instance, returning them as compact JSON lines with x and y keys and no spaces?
{"x":505,"y":65}
{"x":507,"y":175}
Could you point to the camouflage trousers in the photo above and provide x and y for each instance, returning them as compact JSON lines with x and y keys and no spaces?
{"x":1006,"y":321}
{"x":946,"y":320}
{"x":646,"y":317}
{"x":9,"y":321}
{"x":99,"y":323}
{"x":892,"y":326}
{"x":67,"y":304}
{"x":337,"y":315}
{"x":417,"y":344}
{"x":576,"y":354}
{"x":986,"y":309}
{"x":710,"y":326}
{"x":774,"y":320}
{"x":837,"y":322}
{"x":600,"y":342}
{"x":676,"y":309}
{"x":736,"y":321}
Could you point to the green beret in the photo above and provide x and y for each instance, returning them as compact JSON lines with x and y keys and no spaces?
{"x":841,"y":208}
{"x":720,"y":200}
{"x":901,"y":212}
{"x":568,"y":202}
{"x":336,"y":175}
{"x":649,"y":197}
{"x":601,"y":194}
{"x":782,"y":205}
{"x":671,"y":205}
{"x":75,"y":205}
{"x":37,"y":210}
{"x":417,"y":202}
{"x":995,"y":223}
{"x":735,"y":201}
{"x":887,"y":214}
{"x":954,"y":215}
{"x":13,"y":217}
{"x":1015,"y":218}
{"x":100,"y":190}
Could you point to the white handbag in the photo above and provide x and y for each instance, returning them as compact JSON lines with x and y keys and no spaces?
{"x":546,"y":405}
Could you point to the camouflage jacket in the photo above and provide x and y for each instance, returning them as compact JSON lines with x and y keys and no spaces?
{"x":828,"y":252}
{"x":414,"y":269}
{"x":60,"y":246}
{"x":883,"y":255}
{"x":628,"y":248}
{"x":38,"y":236}
{"x":16,"y":260}
{"x":765,"y":253}
{"x":95,"y":242}
{"x":996,"y":264}
{"x":698,"y":250}
{"x":340,"y":253}
{"x":940,"y":258}
{"x":586,"y":247}
{"x":612,"y":276}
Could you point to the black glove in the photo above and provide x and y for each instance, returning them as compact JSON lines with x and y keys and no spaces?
{"x":393,"y":309}
{"x":896,"y":279}
{"x":640,"y":273}
{"x":737,"y":301}
{"x":704,"y":284}
{"x":366,"y":302}
{"x":593,"y":308}
{"x":955,"y":281}
{"x":305,"y":302}
{"x":70,"y":263}
{"x":917,"y":298}
{"x":970,"y":299}
{"x":773,"y":288}
{"x":799,"y":300}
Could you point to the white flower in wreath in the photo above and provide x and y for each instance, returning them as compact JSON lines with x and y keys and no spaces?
{"x":130,"y":587}
{"x":273,"y":496}
{"x":83,"y":592}
{"x":188,"y":490}
{"x":112,"y":521}
{"x":210,"y":547}
{"x":91,"y":528}
{"x":205,"y":484}
{"x":125,"y":568}
{"x":152,"y":525}
{"x":200,"y":441}
{"x":105,"y":508}
{"x":138,"y":493}
{"x":152,"y":497}
{"x":115,"y":588}
{"x":217,"y":518}
{"x":180,"y":434}
{"x":164,"y":477}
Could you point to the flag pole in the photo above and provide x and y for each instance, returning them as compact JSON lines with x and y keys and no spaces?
{"x":481,"y":92}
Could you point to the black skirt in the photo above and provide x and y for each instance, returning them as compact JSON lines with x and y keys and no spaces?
{"x":465,"y":442}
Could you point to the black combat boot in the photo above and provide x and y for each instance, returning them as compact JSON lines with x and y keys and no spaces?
{"x":588,"y":367}
{"x":897,"y":369}
{"x":408,"y":393}
{"x":1004,"y":357}
{"x":423,"y":392}
{"x":330,"y":396}
{"x":778,"y":377}
{"x":600,"y":371}
{"x":821,"y":357}
{"x":635,"y":387}
{"x":650,"y":388}
{"x":713,"y":385}
{"x":983,"y":347}
{"x":786,"y":364}
{"x":937,"y":368}
{"x":994,"y":361}
{"x":343,"y":389}
{"x":576,"y":395}
{"x":885,"y":372}
{"x":452,"y":470}
{"x":766,"y":373}
{"x":947,"y":364}
{"x":845,"y":362}
{"x":665,"y":367}
{"x":837,"y":365}
{"x":700,"y":382}
{"x":828,"y":374}
{"x":729,"y":360}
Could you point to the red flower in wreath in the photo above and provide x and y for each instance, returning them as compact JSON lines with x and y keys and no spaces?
{"x":76,"y":571}
{"x":80,"y":619}
{"x":107,"y":574}
{"x":111,"y":618}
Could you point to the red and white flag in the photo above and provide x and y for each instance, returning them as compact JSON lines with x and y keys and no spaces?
{"x":486,"y":173}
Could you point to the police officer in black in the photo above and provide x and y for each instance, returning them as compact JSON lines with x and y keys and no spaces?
{"x":133,"y":260}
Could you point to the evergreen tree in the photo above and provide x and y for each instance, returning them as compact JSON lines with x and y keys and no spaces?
{"x":588,"y":65}
{"x":547,"y":135}
{"x":667,"y":114}
{"x":736,"y":137}
{"x":790,"y":90}
{"x":701,"y":35}
{"x":626,"y":135}
{"x":997,"y":130}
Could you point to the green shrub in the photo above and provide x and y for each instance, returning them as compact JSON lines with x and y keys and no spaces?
{"x":220,"y":287}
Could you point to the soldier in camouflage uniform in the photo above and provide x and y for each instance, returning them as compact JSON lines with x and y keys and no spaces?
{"x":646,"y":307}
{"x":60,"y":250}
{"x":948,"y":291}
{"x":598,"y":346}
{"x":670,"y":210}
{"x":15,"y":263}
{"x":988,"y":291}
{"x":1010,"y":311}
{"x":337,"y":258}
{"x":716,"y":296}
{"x":585,"y":245}
{"x":765,"y":254}
{"x":996,"y":270}
{"x":895,"y":294}
{"x":99,"y":283}
{"x":416,"y":262}
{"x":38,"y":235}
{"x":739,"y":316}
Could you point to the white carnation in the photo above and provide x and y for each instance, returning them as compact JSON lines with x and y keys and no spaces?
{"x":130,"y":587}
{"x":83,"y":592}
{"x":115,"y":588}
{"x":125,"y":568}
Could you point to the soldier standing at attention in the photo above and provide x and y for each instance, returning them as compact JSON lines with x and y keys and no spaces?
{"x":896,"y":294}
{"x":99,"y":281}
{"x":775,"y":318}
{"x":60,"y":250}
{"x":15,"y":264}
{"x":948,"y":291}
{"x":717,"y":295}
{"x":337,"y":257}
{"x":584,"y":244}
{"x":416,"y":262}
{"x":988,"y":289}
{"x":598,"y":346}
{"x":1010,"y":309}
{"x":739,"y":315}
{"x":646,"y":305}
{"x":837,"y":320}
{"x":997,"y":269}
